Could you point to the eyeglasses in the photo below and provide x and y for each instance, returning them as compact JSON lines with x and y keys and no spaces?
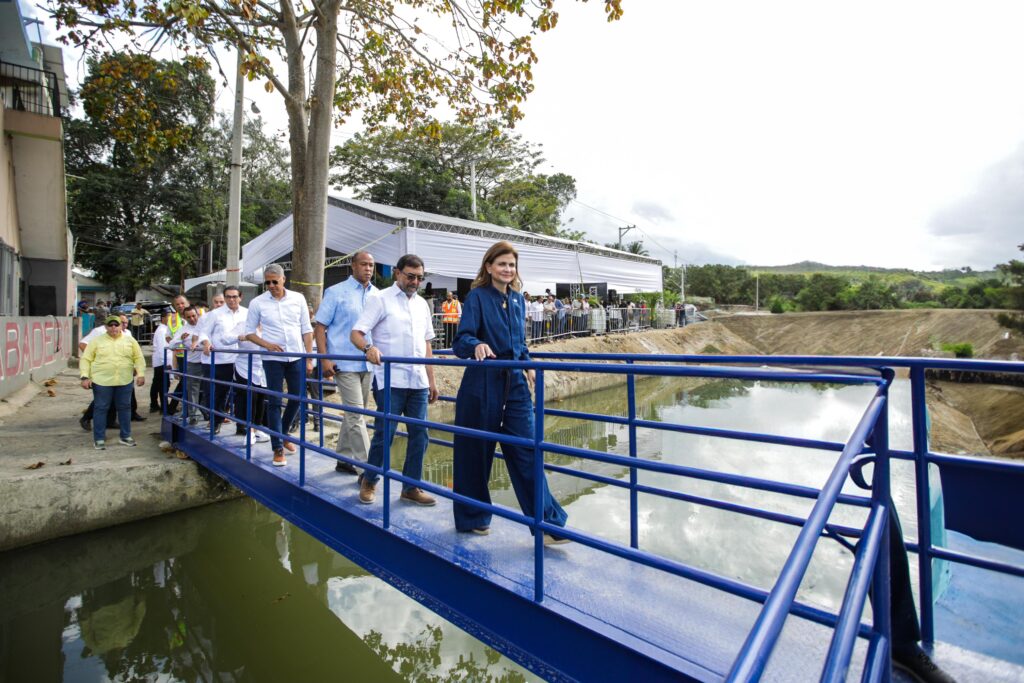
{"x":417,"y":278}
{"x":270,"y":282}
{"x":113,"y":324}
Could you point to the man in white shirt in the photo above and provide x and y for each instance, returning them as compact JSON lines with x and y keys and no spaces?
{"x":401,"y":324}
{"x":537,"y":318}
{"x":157,"y":396}
{"x":278,"y":320}
{"x":222,"y":328}
{"x":187,"y":337}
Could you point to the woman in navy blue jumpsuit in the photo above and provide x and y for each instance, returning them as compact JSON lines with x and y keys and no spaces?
{"x":495,"y":399}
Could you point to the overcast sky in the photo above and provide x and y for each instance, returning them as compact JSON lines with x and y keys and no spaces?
{"x":875,"y":133}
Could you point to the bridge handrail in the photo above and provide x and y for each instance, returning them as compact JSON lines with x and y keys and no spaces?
{"x":781,"y":601}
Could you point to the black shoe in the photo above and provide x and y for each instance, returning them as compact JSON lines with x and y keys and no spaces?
{"x":137,"y":418}
{"x":916,"y":663}
{"x":345,"y":467}
{"x":86,"y":423}
{"x":239,"y":431}
{"x":216,"y":429}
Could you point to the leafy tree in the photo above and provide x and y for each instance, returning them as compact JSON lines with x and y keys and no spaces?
{"x":428,"y":168}
{"x":139,"y":212}
{"x":1014,"y":271}
{"x":383,"y":60}
{"x":822,"y":293}
{"x":872,"y":294}
{"x":724,"y":284}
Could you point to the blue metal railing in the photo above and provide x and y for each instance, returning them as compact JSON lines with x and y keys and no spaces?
{"x":869,"y":440}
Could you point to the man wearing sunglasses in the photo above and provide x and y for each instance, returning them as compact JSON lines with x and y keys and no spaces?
{"x":108,"y":366}
{"x":400,"y":324}
{"x":278,"y":321}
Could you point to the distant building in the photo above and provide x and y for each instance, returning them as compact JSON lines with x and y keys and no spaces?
{"x":35,"y":245}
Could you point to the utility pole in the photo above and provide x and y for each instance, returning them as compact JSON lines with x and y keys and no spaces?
{"x":233,"y":273}
{"x":472,"y":187}
{"x":682,"y":283}
{"x":757,"y":292}
{"x":623,"y":231}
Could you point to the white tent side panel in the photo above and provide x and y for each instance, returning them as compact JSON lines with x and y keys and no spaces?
{"x":346,"y":232}
{"x":624,"y":276}
{"x":454,"y":255}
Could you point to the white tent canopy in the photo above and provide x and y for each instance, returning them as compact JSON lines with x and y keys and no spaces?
{"x":454,"y":247}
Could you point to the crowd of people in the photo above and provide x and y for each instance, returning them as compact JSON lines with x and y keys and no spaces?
{"x":365,"y":325}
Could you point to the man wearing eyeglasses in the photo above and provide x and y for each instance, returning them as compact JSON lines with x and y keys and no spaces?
{"x":401,"y":324}
{"x":338,"y":312}
{"x":221,"y":330}
{"x":278,"y":321}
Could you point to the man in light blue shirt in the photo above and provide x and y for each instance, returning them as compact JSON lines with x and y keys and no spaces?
{"x":339,"y":310}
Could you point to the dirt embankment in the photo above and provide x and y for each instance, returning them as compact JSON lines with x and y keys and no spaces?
{"x":696,"y":339}
{"x":967,"y":418}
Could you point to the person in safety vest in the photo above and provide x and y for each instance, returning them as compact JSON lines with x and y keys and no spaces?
{"x":451,"y":312}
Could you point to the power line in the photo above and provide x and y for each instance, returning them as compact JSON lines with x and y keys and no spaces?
{"x":623,"y":220}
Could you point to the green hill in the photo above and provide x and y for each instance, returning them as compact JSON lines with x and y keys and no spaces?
{"x":935,"y":279}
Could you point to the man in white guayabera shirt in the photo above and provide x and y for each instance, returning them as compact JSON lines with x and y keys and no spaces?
{"x":221,"y":331}
{"x":278,"y":320}
{"x":401,"y":324}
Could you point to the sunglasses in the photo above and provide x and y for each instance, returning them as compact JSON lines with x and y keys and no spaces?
{"x":417,"y":278}
{"x":270,"y":282}
{"x":113,"y":324}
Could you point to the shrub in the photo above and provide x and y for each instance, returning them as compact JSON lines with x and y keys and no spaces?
{"x":961,"y":350}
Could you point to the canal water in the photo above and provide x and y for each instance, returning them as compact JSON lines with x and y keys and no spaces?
{"x":232,"y":592}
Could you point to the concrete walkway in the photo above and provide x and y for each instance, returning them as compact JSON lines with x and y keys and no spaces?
{"x":78,"y":488}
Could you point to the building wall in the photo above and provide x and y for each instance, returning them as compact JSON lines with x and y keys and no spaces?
{"x":33,"y":349}
{"x":8,"y":205}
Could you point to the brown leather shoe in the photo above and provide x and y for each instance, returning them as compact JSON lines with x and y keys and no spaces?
{"x":416,"y":495}
{"x":279,"y":459}
{"x":367,"y":492}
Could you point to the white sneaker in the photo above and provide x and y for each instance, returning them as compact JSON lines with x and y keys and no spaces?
{"x":260,"y":437}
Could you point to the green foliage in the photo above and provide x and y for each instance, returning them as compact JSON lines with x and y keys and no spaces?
{"x":777,"y":304}
{"x":961,"y":350}
{"x":428,"y":168}
{"x":872,"y":294}
{"x":822,"y":293}
{"x":139,"y":212}
{"x":1014,"y":294}
{"x":724,"y":284}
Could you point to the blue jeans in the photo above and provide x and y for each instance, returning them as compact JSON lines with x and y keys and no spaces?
{"x":278,"y":373}
{"x":409,"y":403}
{"x":102,"y":397}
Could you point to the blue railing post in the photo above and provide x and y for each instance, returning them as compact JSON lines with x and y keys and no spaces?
{"x":249,"y":422}
{"x":386,"y":425}
{"x":184,"y":390}
{"x":303,"y":414}
{"x":538,"y":487}
{"x":320,"y":396}
{"x":881,"y":495}
{"x":919,"y":415}
{"x":634,"y":530}
{"x":212,"y":392}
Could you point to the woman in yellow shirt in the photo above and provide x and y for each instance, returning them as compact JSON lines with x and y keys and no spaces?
{"x":107,"y":367}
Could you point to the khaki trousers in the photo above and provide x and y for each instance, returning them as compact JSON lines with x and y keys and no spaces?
{"x":354,"y":388}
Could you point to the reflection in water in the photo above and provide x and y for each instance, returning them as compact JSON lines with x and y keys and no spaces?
{"x":232,"y":592}
{"x":245,"y":596}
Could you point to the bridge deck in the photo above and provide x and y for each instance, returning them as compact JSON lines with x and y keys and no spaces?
{"x":689,"y":628}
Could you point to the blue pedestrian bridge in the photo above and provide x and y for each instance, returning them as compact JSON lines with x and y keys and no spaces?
{"x":623,"y":606}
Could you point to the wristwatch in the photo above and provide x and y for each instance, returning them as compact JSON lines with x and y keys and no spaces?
{"x":83,"y":378}
{"x":366,"y":349}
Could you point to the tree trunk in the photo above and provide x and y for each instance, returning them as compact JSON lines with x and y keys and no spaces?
{"x":310,"y":132}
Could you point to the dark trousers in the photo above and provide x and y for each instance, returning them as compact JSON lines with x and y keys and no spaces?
{"x":112,"y":414}
{"x":474,"y":457}
{"x":906,"y":630}
{"x":278,"y":373}
{"x":157,"y":398}
{"x":241,"y":411}
{"x":222,"y":372}
{"x":449,"y":334}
